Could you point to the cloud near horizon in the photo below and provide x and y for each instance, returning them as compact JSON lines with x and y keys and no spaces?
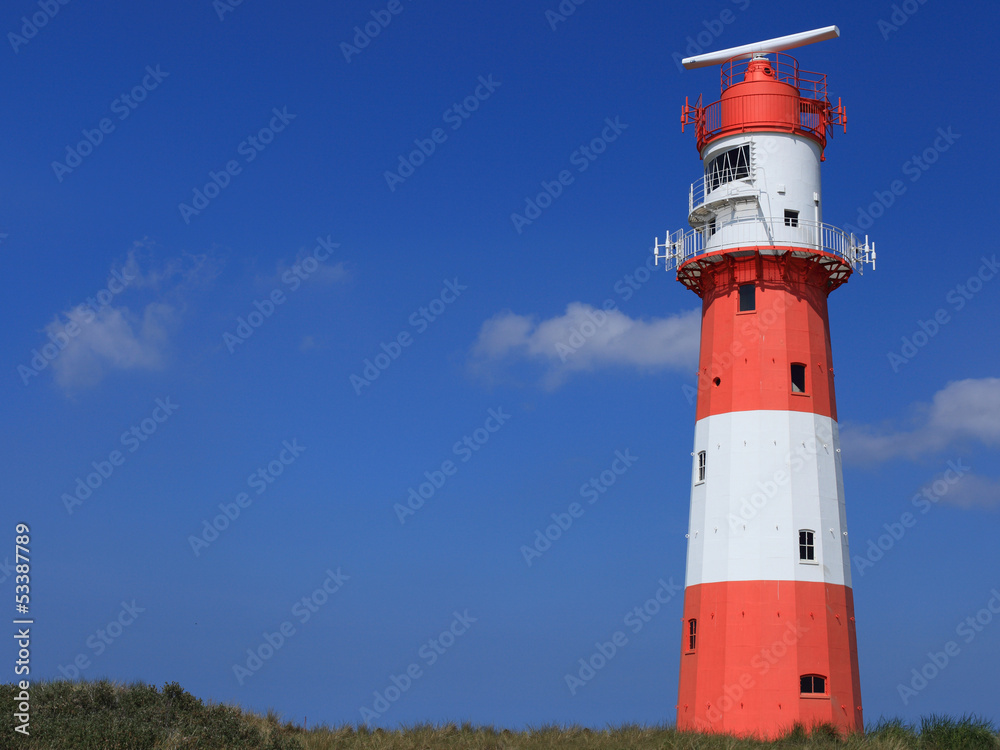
{"x":586,"y":338}
{"x":964,"y":412}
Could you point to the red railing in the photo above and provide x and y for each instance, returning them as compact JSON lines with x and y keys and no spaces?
{"x":809,"y":112}
{"x":784,"y":68}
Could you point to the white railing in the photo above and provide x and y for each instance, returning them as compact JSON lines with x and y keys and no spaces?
{"x":701,"y":189}
{"x":759,"y":231}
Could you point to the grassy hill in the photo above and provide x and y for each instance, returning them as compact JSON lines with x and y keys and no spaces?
{"x":107,"y":716}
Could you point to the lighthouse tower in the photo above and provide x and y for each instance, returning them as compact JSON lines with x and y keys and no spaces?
{"x":768,"y":633}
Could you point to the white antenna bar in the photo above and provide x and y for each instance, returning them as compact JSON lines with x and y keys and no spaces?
{"x":771,"y":45}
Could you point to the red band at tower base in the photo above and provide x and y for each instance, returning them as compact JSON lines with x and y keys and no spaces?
{"x":754,"y":642}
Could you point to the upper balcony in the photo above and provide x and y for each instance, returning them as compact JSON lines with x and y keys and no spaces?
{"x":767,"y":92}
{"x":730,"y":177}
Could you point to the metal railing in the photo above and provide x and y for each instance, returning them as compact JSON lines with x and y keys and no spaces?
{"x":759,"y":110}
{"x":785,"y":69}
{"x":733,"y":186}
{"x":759,"y":231}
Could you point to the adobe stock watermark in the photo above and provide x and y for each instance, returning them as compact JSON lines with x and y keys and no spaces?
{"x":563,"y":11}
{"x":705,"y":38}
{"x":420,"y":320}
{"x":900,"y":14}
{"x":590,"y":490}
{"x":102,"y":640}
{"x":258,"y":482}
{"x":427,"y":655}
{"x":47,"y":10}
{"x":582,"y":158}
{"x":464,"y":449}
{"x":634,"y":620}
{"x":625,"y":288}
{"x":751,"y":506}
{"x":755,"y":325}
{"x":363,"y":35}
{"x":937,"y":661}
{"x":915,"y":167}
{"x":762,"y":662}
{"x":222,"y":7}
{"x":924,"y":500}
{"x":455,"y":116}
{"x":957,"y":297}
{"x":249,"y":148}
{"x":6,"y":570}
{"x":292,"y":278}
{"x":131,"y":439}
{"x":302,"y":611}
{"x":80,"y":316}
{"x":123,"y":106}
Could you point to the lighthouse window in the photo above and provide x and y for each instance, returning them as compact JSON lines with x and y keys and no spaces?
{"x":730,"y":165}
{"x":692,"y":634}
{"x":798,"y":378}
{"x":701,"y":466}
{"x":807,"y":545}
{"x":748,"y":298}
{"x":812,"y":684}
{"x":791,"y":218}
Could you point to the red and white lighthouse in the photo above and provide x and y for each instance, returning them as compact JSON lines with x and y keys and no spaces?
{"x":768,"y":633}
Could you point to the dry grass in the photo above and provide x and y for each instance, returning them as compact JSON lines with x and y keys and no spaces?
{"x":109,"y":716}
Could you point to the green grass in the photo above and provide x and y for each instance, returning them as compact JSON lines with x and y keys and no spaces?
{"x":107,"y":716}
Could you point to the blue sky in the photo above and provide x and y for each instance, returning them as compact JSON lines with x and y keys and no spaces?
{"x":330,"y":264}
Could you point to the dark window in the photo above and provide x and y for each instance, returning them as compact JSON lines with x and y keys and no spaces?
{"x":711,"y":227}
{"x":748,"y":298}
{"x":798,"y":378}
{"x":791,"y":218}
{"x":692,"y":633}
{"x":807,"y":545}
{"x":730,"y":165}
{"x":812,"y":684}
{"x":701,"y":466}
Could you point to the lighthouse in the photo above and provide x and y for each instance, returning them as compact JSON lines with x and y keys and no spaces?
{"x":767,"y":638}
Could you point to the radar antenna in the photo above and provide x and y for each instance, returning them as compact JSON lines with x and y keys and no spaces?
{"x":778,"y":44}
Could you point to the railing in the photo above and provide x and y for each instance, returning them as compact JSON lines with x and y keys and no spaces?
{"x":758,"y":231}
{"x":733,"y":186}
{"x":786,"y":112}
{"x":785,"y":69}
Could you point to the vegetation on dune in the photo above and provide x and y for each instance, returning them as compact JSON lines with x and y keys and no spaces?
{"x":108,"y":716}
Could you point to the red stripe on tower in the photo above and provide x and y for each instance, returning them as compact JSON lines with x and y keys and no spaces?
{"x":768,"y":636}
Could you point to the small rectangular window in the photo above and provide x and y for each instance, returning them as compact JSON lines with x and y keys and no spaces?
{"x":711,"y":227}
{"x":692,"y":634}
{"x":701,"y":466}
{"x":812,"y":684}
{"x":807,"y":545}
{"x":791,"y":218}
{"x":748,"y":297}
{"x":798,"y":378}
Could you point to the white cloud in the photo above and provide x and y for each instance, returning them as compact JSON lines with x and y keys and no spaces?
{"x":306,"y":267}
{"x":974,"y":491}
{"x":963,"y":412}
{"x":111,"y":339}
{"x":103,"y":334}
{"x":588,"y":338}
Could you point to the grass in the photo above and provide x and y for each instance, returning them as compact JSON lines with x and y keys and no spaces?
{"x":104,"y":715}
